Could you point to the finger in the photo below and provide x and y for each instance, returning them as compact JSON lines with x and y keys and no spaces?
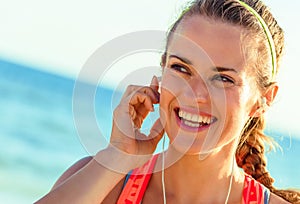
{"x":141,"y":100}
{"x":139,"y":107}
{"x":157,"y":131}
{"x":154,"y":85}
{"x":137,"y":116}
{"x":138,"y":121}
{"x":141,"y":113}
{"x":132,"y":112}
{"x":132,"y":89}
{"x":151,"y":92}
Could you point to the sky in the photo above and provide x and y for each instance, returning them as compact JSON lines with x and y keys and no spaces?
{"x":59,"y":36}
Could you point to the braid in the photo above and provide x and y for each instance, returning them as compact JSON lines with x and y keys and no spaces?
{"x":250,"y":156}
{"x":250,"y":152}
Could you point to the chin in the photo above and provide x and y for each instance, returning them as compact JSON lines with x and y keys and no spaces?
{"x":198,"y":146}
{"x":187,"y":146}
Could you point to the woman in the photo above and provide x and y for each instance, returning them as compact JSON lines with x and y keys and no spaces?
{"x":218,"y":80}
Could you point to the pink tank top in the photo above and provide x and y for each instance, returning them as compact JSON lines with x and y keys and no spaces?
{"x":137,"y":181}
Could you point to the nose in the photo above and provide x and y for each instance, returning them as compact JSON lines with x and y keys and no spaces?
{"x":196,"y":89}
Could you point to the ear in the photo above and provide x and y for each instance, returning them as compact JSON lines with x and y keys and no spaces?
{"x":271,"y":93}
{"x":163,"y":60}
{"x":265,"y":101}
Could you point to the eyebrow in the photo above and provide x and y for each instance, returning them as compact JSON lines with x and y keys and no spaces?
{"x":224,"y":69}
{"x":216,"y":69}
{"x":185,"y":60}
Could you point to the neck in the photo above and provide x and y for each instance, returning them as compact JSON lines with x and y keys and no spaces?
{"x":188,"y":178}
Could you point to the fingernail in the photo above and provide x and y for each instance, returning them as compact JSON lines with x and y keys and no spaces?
{"x":153,"y":80}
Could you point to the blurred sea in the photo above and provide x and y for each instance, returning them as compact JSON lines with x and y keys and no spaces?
{"x":38,"y":138}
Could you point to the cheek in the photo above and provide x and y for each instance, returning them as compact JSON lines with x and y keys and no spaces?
{"x":165,"y":107}
{"x":168,"y":101}
{"x":249,"y":98}
{"x":172,"y":85}
{"x":239,"y":105}
{"x":165,"y":98}
{"x":172,"y":82}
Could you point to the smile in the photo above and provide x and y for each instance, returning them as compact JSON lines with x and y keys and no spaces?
{"x":193,"y":122}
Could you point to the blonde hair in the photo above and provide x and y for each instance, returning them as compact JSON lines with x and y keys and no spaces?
{"x":250,"y":154}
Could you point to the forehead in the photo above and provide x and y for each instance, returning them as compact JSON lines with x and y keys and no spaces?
{"x":199,"y":38}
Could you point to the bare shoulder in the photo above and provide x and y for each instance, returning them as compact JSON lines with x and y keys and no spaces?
{"x":275,"y":199}
{"x":72,"y":170}
{"x":113,"y":196}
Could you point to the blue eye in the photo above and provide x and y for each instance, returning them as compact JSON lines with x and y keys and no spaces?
{"x":180,"y":68}
{"x":222,"y":81}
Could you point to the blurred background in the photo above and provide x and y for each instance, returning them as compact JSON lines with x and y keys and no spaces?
{"x":43,"y":47}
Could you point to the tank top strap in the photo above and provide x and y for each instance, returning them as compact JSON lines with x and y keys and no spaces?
{"x":255,"y":192}
{"x":136,"y":183}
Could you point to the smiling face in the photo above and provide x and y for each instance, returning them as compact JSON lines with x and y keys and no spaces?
{"x":207,"y":92}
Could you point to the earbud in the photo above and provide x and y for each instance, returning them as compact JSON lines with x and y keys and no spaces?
{"x":159,"y":82}
{"x":264,"y":104}
{"x":263,"y":101}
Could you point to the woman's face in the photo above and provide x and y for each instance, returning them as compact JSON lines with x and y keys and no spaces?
{"x":207,"y":93}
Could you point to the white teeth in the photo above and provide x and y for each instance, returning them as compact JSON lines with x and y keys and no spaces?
{"x":180,"y":113}
{"x":188,"y":117}
{"x":191,"y":124}
{"x":194,"y":118}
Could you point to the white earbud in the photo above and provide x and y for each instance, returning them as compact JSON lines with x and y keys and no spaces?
{"x":159,"y":82}
{"x":263,"y":101}
{"x":263,"y":104}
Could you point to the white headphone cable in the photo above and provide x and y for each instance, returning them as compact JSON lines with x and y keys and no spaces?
{"x":230,"y":182}
{"x":163,"y":170}
{"x":163,"y":175}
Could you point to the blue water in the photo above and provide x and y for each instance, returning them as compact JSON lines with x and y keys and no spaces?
{"x":39,"y":139}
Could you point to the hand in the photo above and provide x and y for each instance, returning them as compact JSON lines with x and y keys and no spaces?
{"x":128,"y":118}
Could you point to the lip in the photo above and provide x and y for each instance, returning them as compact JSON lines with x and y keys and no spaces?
{"x":193,"y":111}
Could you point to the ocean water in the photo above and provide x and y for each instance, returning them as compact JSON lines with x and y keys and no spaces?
{"x":41,"y":134}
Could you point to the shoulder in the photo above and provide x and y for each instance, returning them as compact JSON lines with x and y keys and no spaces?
{"x":275,"y":199}
{"x":72,"y":170}
{"x":114,"y":194}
